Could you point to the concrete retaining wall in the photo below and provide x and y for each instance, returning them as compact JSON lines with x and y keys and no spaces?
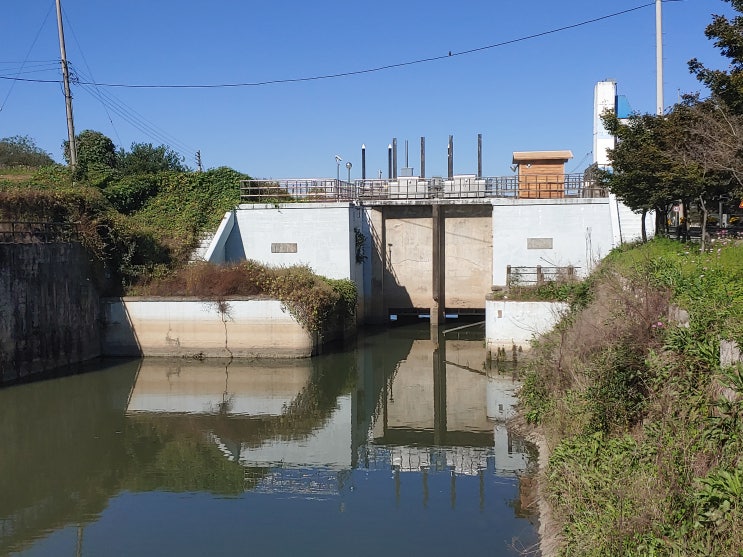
{"x":320,"y":235}
{"x":49,"y":310}
{"x":186,"y":327}
{"x":552,"y":233}
{"x":509,"y":323}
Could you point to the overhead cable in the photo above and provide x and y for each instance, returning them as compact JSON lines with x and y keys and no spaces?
{"x":450,"y":54}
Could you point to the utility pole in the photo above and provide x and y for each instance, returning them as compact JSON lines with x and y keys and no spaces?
{"x":198,"y":161}
{"x":67,"y":93}
{"x":659,"y":56}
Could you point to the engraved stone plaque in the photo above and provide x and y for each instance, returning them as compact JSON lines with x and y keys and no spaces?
{"x":539,"y":243}
{"x":283,"y":248}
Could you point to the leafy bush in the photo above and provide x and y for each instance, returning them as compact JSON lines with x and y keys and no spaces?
{"x":647,"y":429}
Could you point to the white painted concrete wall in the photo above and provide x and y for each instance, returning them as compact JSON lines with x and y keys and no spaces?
{"x":323,"y":234}
{"x":579,"y":229}
{"x":509,"y":323}
{"x":189,"y":327}
{"x":215,"y":253}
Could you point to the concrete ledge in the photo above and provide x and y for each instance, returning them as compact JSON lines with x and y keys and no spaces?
{"x":187,"y":327}
{"x":510,"y":323}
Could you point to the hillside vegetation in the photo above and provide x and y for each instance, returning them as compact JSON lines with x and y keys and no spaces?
{"x":643,"y":424}
{"x":138,"y":226}
{"x":141,"y":214}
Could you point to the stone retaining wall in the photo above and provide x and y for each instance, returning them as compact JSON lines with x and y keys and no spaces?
{"x":49,"y":308}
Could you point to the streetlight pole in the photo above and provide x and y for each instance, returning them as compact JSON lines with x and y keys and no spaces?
{"x":338,"y":161}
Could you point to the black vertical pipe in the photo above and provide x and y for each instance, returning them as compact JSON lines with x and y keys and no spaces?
{"x":394,"y":158}
{"x":363,"y":162}
{"x":389,"y":161}
{"x":479,"y":155}
{"x":451,"y":157}
{"x":423,"y":157}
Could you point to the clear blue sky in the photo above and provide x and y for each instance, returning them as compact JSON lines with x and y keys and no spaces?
{"x":529,"y":95}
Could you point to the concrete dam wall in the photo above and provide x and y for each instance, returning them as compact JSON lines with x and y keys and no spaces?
{"x":49,"y":308}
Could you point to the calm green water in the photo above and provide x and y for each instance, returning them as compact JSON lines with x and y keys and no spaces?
{"x":393,"y":447}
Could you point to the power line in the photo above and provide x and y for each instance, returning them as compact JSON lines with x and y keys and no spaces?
{"x":133,"y":118}
{"x":36,"y":38}
{"x":85,"y":61}
{"x":363,"y":71}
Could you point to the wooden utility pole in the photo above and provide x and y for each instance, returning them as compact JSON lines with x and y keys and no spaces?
{"x":67,"y":93}
{"x":659,"y":57}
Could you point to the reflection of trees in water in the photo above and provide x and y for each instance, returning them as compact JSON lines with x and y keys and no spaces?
{"x":68,"y":448}
{"x":176,"y":452}
{"x":170,"y":455}
{"x":59,"y":459}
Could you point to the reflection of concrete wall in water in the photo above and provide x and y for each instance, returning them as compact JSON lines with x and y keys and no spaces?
{"x":465,"y":461}
{"x":410,"y":400}
{"x":244,"y":390}
{"x":501,"y":396}
{"x":465,"y":386}
{"x":328,"y":446}
{"x":410,"y":397}
{"x":473,"y":401}
{"x":510,"y":453}
{"x":174,"y":387}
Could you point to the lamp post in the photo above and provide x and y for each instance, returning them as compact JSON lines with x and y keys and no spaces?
{"x":348,"y":167}
{"x":338,"y":161}
{"x":389,"y":161}
{"x":363,"y":161}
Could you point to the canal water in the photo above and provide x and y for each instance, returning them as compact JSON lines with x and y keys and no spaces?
{"x":396,"y":446}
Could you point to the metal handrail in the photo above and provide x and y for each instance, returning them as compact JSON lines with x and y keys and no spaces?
{"x":26,"y":232}
{"x":412,"y":188}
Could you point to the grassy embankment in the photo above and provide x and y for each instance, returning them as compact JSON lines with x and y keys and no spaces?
{"x":141,"y":230}
{"x":643,"y":426}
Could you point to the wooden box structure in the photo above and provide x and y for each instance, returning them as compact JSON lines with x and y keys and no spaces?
{"x":541,"y":174}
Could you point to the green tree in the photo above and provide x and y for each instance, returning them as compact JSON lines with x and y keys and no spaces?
{"x":644,"y":176}
{"x":96,"y":155}
{"x":727,"y":35}
{"x":21,"y":150}
{"x":144,"y":158}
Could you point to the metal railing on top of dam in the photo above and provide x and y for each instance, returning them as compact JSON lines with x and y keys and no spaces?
{"x":414,"y":188}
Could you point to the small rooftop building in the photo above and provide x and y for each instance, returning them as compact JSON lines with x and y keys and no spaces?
{"x":541,"y":174}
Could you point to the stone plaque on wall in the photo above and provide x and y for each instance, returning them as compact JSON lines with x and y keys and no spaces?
{"x":284,"y":248}
{"x":539,"y":243}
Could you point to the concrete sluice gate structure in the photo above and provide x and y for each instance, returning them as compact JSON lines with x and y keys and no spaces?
{"x":296,"y":426}
{"x":433,"y":248}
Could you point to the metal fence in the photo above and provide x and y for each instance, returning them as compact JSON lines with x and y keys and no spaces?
{"x":15,"y":232}
{"x":412,"y":188}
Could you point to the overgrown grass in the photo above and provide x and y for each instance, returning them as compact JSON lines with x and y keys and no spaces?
{"x":138,"y":228}
{"x":646,"y":427}
{"x":316,"y":302}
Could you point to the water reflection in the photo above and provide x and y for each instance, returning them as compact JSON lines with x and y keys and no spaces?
{"x":339,"y":444}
